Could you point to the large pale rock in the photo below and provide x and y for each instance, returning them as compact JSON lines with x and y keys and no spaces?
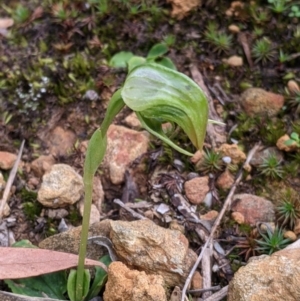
{"x":196,"y":189}
{"x":145,"y":246}
{"x":123,"y":147}
{"x":69,"y":241}
{"x":124,"y":284}
{"x":7,"y":160}
{"x":256,"y":101}
{"x":253,"y":208}
{"x":62,"y":186}
{"x":268,"y":278}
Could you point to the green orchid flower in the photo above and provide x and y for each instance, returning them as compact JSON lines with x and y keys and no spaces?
{"x":158,"y":94}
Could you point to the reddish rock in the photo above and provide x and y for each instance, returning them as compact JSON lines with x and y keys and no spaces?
{"x":196,"y":189}
{"x":253,"y":208}
{"x":256,"y":101}
{"x":123,"y":147}
{"x":225,"y":180}
{"x":42,"y":164}
{"x":124,"y":284}
{"x":7,"y":160}
{"x":197,"y":157}
{"x":61,"y":142}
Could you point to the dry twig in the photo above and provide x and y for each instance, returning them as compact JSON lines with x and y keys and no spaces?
{"x":206,"y":271}
{"x":219,"y":218}
{"x":132,"y":212}
{"x":219,"y":295}
{"x":10,"y":181}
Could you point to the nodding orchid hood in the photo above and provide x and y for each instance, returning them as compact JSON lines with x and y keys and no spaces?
{"x":158,"y":94}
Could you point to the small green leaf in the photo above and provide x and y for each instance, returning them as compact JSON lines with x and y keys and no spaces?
{"x":99,"y":280}
{"x":289,"y":142}
{"x":157,"y":50}
{"x":135,"y":61}
{"x":120,"y":59}
{"x":166,"y":62}
{"x":295,"y":136}
{"x":71,"y":286}
{"x":24,"y":243}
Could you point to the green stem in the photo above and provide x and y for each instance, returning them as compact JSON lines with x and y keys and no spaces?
{"x":94,"y":156}
{"x":88,"y":190}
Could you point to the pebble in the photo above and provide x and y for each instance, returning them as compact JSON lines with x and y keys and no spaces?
{"x":234,"y":61}
{"x":293,"y":86}
{"x":7,"y":160}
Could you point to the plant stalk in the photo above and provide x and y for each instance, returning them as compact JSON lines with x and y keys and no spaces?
{"x":88,"y":190}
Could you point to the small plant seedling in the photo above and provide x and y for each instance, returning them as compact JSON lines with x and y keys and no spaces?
{"x":295,"y":139}
{"x":212,"y":162}
{"x":263,"y":50}
{"x":272,"y":241}
{"x":295,"y":11}
{"x":288,"y":211}
{"x":156,"y":54}
{"x":21,"y":14}
{"x":278,"y":6}
{"x":271,"y":167}
{"x":248,"y":244}
{"x":220,"y":41}
{"x":293,"y":100}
